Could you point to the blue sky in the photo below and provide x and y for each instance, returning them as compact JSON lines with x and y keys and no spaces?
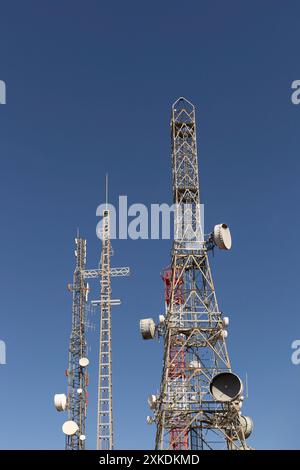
{"x":89,"y":90}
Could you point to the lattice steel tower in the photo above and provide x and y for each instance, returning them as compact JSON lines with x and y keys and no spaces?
{"x":105,"y":435}
{"x":199,"y":402}
{"x":76,"y":400}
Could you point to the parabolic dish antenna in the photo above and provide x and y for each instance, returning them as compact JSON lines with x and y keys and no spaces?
{"x":152,"y":401}
{"x":60,"y":401}
{"x":149,"y":420}
{"x":226,"y":387}
{"x":222,"y":236}
{"x":247,"y":425}
{"x":147,"y":328}
{"x":70,"y":428}
{"x":84,"y":362}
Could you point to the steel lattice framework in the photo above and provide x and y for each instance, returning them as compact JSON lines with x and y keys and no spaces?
{"x":105,"y":416}
{"x":105,"y":435}
{"x":187,"y":415}
{"x":77,"y":375}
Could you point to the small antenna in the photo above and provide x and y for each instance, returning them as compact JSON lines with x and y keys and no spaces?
{"x":247,"y":394}
{"x":106,"y":190}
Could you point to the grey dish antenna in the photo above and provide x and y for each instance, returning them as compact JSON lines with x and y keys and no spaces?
{"x":222,"y":236}
{"x":70,"y":428}
{"x":226,"y":387}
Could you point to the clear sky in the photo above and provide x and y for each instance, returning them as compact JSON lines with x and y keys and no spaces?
{"x":89,"y":90}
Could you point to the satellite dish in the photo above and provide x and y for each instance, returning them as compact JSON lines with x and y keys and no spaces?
{"x":225,"y":321}
{"x":246,"y":425}
{"x":147,"y":328}
{"x":161,"y":319}
{"x":60,"y":401}
{"x":152,"y":401}
{"x":222,"y":236}
{"x":82,"y":437}
{"x":226,"y":387}
{"x":224,"y":334}
{"x":70,"y":428}
{"x":79,"y":391}
{"x":84,"y":362}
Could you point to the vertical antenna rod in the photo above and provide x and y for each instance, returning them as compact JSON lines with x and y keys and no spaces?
{"x":106,"y":190}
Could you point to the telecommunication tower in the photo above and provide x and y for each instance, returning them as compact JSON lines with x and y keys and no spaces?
{"x":76,"y":400}
{"x":199,"y":402}
{"x":105,"y":435}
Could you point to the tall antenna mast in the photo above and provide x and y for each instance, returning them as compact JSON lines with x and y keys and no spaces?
{"x":105,"y":435}
{"x":199,"y":403}
{"x":76,"y":401}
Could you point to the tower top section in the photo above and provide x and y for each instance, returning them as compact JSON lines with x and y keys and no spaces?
{"x":186,"y":195}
